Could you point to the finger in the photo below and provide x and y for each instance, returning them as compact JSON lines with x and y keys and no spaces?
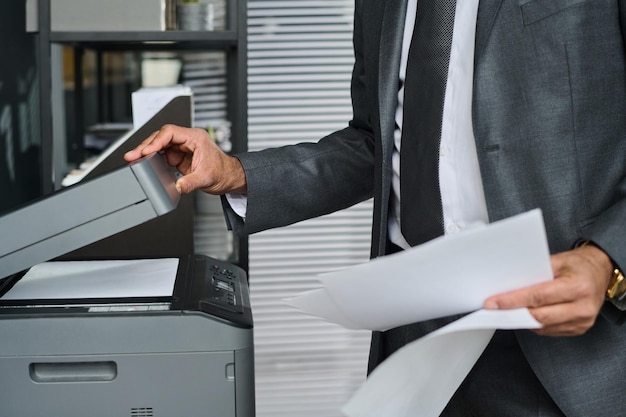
{"x":545,"y":293}
{"x":176,"y":158}
{"x":568,"y":329}
{"x":159,"y":140}
{"x":565,"y":318}
{"x":138,"y":152}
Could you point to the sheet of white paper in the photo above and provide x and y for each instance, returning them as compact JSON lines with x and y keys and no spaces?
{"x":320,"y":300}
{"x":420,"y":378}
{"x":449,"y":275}
{"x":97,"y":279}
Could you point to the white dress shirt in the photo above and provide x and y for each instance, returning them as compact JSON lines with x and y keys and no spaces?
{"x":462,"y":194}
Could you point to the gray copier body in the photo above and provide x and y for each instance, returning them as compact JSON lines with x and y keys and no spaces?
{"x":189,"y":354}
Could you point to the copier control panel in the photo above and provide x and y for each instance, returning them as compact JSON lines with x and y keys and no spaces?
{"x":225,"y":291}
{"x":220,"y":289}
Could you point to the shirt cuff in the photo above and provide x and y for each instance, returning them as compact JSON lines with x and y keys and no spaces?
{"x":239,"y":203}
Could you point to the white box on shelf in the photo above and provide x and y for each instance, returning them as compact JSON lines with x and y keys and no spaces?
{"x":148,"y":101}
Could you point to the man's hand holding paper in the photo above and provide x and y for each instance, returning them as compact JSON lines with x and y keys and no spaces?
{"x":569,"y":304}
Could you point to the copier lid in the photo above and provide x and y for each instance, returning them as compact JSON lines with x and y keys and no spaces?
{"x":86,"y":212}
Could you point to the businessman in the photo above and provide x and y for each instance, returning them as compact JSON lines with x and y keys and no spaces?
{"x":529,"y":110}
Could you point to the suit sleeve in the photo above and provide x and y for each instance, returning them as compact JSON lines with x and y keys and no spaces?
{"x":298,"y":182}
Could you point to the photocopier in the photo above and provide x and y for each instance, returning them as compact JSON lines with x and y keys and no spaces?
{"x":169,"y":337}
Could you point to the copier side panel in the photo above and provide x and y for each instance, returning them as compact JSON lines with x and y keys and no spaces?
{"x":179,"y":364}
{"x":147,"y":384}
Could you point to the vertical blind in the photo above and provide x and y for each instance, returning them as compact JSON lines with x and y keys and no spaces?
{"x":300,"y":60}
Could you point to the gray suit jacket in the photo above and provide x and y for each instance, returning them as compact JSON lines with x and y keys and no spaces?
{"x":549,"y":116}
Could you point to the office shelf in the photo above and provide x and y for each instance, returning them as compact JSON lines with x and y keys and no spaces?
{"x":232,"y":41}
{"x":171,"y":39}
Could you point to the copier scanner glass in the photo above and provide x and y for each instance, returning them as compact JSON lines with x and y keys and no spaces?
{"x":136,"y":278}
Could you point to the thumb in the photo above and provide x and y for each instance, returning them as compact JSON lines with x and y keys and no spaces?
{"x":183,"y":186}
{"x":189,"y":183}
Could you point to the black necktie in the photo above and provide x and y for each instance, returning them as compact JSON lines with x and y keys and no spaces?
{"x":421,"y":217}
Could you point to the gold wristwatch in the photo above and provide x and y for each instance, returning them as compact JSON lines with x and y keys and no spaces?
{"x":617,"y":286}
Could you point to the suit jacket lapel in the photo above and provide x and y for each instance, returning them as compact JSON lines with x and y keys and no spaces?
{"x":392,"y":30}
{"x":487,"y":12}
{"x":389,"y":53}
{"x":390,"y":49}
